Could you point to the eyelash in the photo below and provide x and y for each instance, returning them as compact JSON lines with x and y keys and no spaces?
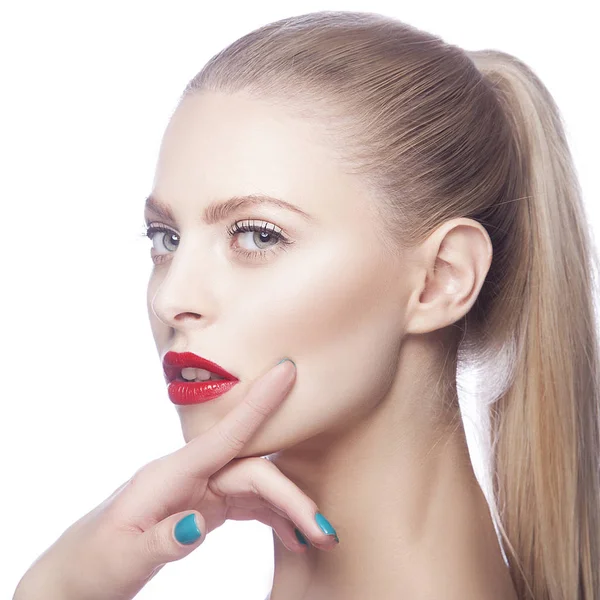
{"x":247,"y":226}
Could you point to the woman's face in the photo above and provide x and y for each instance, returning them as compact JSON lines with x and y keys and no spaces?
{"x":327,"y":296}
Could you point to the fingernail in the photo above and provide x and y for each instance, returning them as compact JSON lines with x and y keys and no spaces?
{"x":186,"y":530}
{"x":325,"y":526}
{"x":284,"y":359}
{"x":300,"y":537}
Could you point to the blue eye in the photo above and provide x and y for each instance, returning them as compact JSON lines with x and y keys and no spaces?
{"x":163,"y":239}
{"x":265,"y":233}
{"x":262,"y":234}
{"x":152,"y":230}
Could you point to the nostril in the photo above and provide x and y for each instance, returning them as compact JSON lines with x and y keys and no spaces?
{"x":187,"y":315}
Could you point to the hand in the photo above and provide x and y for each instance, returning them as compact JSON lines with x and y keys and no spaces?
{"x":114,"y":550}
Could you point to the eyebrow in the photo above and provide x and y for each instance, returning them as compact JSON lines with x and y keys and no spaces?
{"x":217,"y":211}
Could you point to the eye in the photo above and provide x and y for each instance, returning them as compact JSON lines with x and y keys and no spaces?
{"x":170,"y":241}
{"x":264,"y":236}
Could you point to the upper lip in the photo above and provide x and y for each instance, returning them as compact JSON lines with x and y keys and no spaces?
{"x":173,"y":362}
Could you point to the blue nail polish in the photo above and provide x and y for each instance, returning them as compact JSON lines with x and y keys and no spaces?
{"x":186,"y":530}
{"x":300,"y":537}
{"x":325,"y":525}
{"x":284,"y":359}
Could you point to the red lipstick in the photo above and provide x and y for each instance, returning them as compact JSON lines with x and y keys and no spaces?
{"x":194,"y":392}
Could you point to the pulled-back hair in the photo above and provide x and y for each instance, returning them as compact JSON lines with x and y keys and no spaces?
{"x":436,"y":133}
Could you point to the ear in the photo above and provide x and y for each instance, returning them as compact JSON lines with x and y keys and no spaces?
{"x":451,"y":267}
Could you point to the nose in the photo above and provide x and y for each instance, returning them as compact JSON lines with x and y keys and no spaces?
{"x":183,"y":296}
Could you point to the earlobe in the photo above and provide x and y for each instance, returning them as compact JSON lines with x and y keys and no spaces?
{"x":456,"y":259}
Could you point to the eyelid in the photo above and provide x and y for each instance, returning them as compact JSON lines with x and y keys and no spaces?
{"x":150,"y":223}
{"x":278,"y":229}
{"x":259,"y":223}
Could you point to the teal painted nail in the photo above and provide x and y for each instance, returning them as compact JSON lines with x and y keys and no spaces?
{"x":300,"y":537}
{"x":284,"y":359}
{"x":325,"y":526}
{"x":186,"y":530}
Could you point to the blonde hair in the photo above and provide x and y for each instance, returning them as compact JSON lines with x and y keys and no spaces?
{"x":437,"y":133}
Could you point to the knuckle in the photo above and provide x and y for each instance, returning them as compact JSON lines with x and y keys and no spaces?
{"x":254,"y":488}
{"x":254,"y":469}
{"x":147,"y":475}
{"x":154,"y":545}
{"x":213,"y":486}
{"x":138,"y":478}
{"x":262,"y":411}
{"x":146,"y":471}
{"x":231,"y":439}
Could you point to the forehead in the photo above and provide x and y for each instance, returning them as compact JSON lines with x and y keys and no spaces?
{"x":219,"y":145}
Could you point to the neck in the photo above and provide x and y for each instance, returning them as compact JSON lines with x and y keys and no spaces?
{"x":400,"y":490}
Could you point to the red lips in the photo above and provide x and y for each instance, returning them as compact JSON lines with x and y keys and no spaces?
{"x":173,"y":362}
{"x":194,"y":392}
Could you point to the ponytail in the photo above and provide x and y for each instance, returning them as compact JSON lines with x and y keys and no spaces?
{"x":545,"y":427}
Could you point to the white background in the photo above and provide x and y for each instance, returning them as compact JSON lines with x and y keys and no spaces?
{"x":86,"y":91}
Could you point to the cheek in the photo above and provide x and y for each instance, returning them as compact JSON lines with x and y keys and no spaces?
{"x":336,"y":318}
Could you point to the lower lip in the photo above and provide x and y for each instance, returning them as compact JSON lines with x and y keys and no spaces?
{"x":183,"y":392}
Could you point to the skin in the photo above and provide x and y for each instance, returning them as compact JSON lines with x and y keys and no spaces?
{"x":362,"y":431}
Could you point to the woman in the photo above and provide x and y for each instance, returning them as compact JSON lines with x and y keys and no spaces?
{"x":381,"y":207}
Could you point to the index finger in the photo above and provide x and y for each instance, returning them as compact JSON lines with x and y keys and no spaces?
{"x":212,"y":450}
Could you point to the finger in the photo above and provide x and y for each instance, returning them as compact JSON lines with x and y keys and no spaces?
{"x":211,"y":450}
{"x":280,"y":525}
{"x":171,"y":539}
{"x":262,"y":477}
{"x":252,"y":502}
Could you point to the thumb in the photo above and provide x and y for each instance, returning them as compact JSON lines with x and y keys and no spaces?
{"x":173,"y":538}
